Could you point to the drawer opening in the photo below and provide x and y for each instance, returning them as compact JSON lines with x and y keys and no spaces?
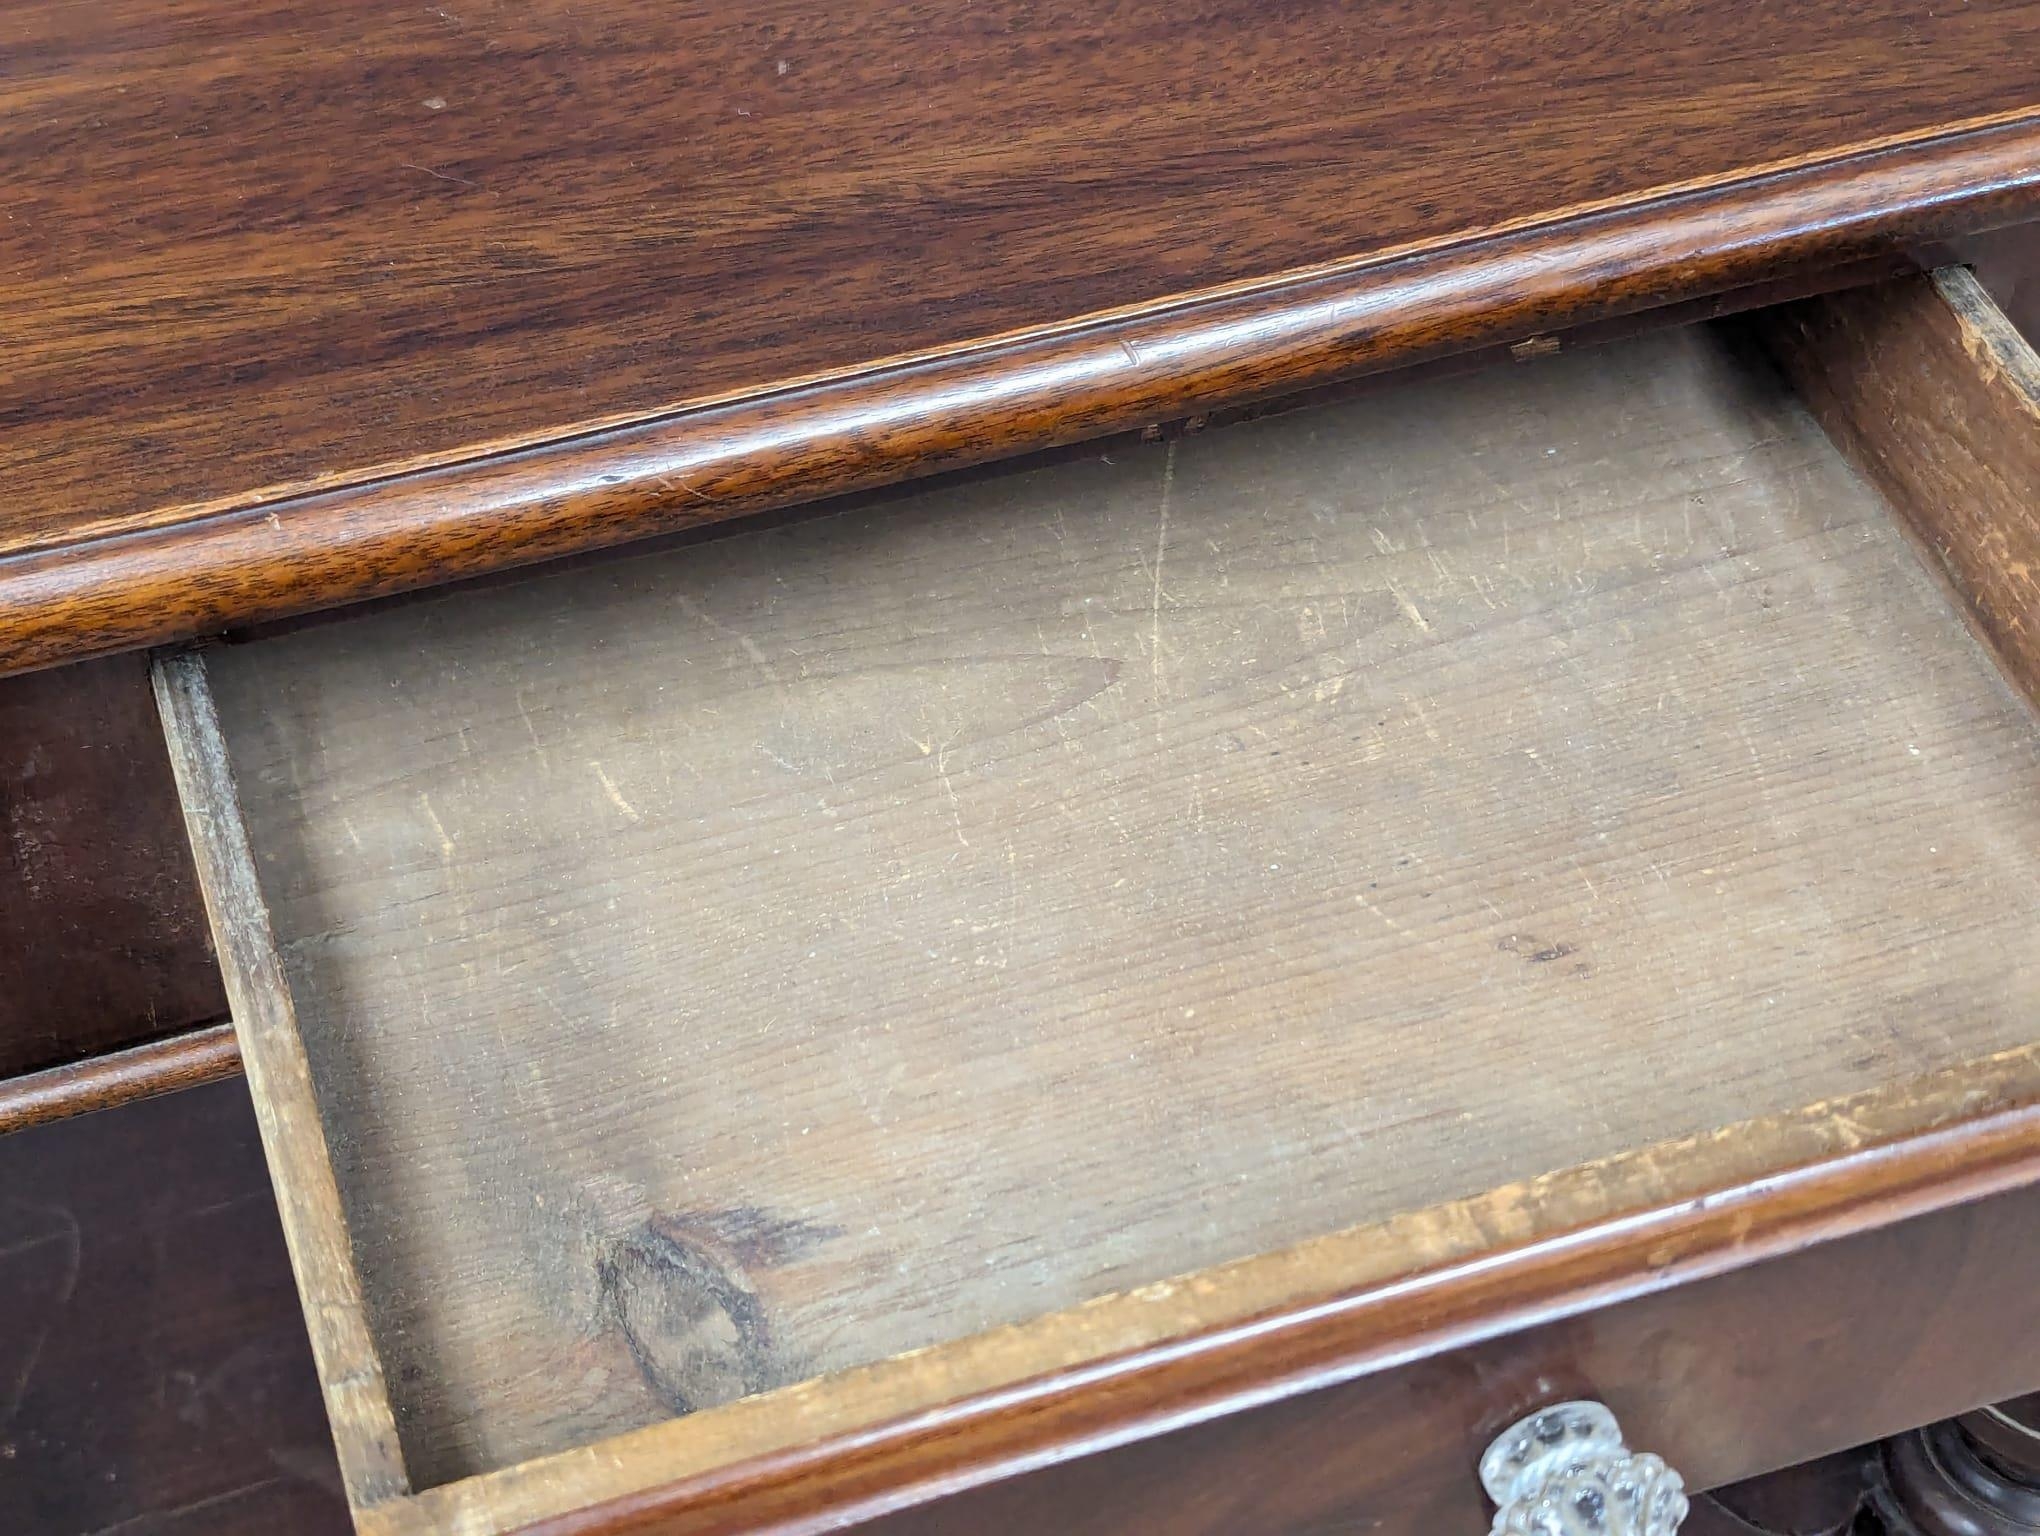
{"x":731,"y":967}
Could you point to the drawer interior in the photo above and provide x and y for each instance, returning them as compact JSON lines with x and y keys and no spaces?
{"x":729,"y":966}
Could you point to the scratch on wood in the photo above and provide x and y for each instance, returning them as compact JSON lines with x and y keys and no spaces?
{"x":159,"y":1519}
{"x":1409,"y":609}
{"x":440,"y":175}
{"x":949,"y":789}
{"x":438,"y":827}
{"x":531,"y":730}
{"x":71,"y":1237}
{"x":614,"y":794}
{"x":1393,"y":925}
{"x":745,"y":643}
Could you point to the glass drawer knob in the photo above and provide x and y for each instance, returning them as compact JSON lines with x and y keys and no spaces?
{"x":1564,"y":1471}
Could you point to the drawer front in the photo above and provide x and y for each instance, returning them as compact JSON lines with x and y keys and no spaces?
{"x":1831,"y":1347}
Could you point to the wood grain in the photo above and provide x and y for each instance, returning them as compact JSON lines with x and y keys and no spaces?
{"x":2007,"y":263}
{"x":1936,"y":396}
{"x":726,"y":257}
{"x":1824,"y":1348}
{"x":314,"y":1228}
{"x":1292,"y":1382}
{"x":102,"y":933}
{"x":120,"y":1077}
{"x":871,"y":932}
{"x":154,"y":1379}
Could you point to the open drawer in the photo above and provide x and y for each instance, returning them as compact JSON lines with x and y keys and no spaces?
{"x":765,"y":1034}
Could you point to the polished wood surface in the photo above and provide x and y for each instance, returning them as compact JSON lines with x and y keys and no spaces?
{"x":1840,"y":1344}
{"x":261,"y":252}
{"x":119,"y":1077}
{"x":1936,"y":396}
{"x":2008,"y":1434}
{"x":103,"y":939}
{"x":154,"y":1379}
{"x":1978,"y":1475}
{"x":1821,"y":1497}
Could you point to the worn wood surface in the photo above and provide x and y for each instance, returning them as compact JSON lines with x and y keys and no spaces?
{"x":102,"y":934}
{"x":154,"y":1379}
{"x":1245,"y":1352}
{"x":262,"y":251}
{"x":1831,"y":1347}
{"x":1937,"y":396}
{"x":119,"y":1077}
{"x":723,"y":969}
{"x":2007,"y":263}
{"x":314,"y":1228}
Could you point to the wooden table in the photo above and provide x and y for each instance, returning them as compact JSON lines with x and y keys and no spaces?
{"x":1454,"y":831}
